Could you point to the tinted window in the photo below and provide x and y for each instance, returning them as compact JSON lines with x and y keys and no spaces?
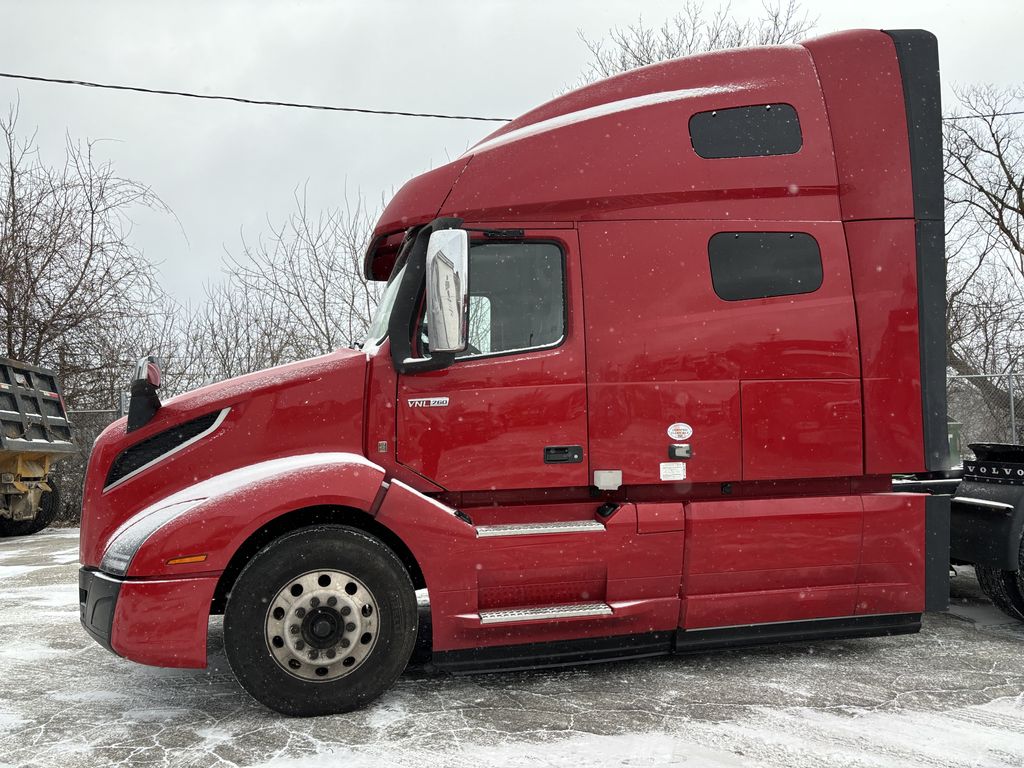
{"x":767,"y":129}
{"x":756,"y":265}
{"x":516,"y":297}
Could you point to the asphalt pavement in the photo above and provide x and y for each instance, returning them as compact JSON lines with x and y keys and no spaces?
{"x":952,"y":695}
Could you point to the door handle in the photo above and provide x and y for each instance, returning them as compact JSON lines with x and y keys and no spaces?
{"x":563,"y":454}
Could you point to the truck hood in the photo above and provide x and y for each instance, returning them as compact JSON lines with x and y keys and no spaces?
{"x":224,"y":393}
{"x":309,"y":406}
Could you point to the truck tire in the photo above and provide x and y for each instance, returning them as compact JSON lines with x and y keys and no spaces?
{"x":320,"y":621}
{"x":49,"y":507}
{"x":1020,"y":568}
{"x":1003,"y":588}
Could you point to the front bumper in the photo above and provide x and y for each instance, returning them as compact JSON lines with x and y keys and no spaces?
{"x":97,"y":598}
{"x":160,"y":622}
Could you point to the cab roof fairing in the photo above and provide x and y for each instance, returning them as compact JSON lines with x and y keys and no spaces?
{"x":547,"y":134}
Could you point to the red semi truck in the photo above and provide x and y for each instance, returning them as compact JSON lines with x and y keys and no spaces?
{"x":646,"y":362}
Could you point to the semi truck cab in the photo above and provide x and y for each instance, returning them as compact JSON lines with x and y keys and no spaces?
{"x":647,"y":359}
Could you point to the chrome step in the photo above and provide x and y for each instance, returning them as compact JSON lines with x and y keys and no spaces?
{"x":526,"y":529}
{"x":545,"y":613}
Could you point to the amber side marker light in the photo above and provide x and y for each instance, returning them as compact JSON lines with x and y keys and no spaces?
{"x":186,"y":559}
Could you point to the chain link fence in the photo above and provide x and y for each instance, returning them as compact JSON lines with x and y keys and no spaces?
{"x":983,"y":409}
{"x":69,"y":473}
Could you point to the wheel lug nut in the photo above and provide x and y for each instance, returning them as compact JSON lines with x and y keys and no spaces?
{"x":345,"y":643}
{"x":294,"y":629}
{"x":300,"y":612}
{"x":314,"y":602}
{"x":350,"y":627}
{"x":331,"y":654}
{"x":299,"y":645}
{"x":332,"y":601}
{"x":346,"y":611}
{"x":313,"y":654}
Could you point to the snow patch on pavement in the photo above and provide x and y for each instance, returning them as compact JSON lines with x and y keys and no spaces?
{"x":55,"y":596}
{"x":65,"y":556}
{"x":155,"y":714}
{"x":385,"y":715}
{"x":9,"y":720}
{"x":25,"y":652}
{"x":16,"y":571}
{"x":91,"y":696}
{"x":652,"y":750}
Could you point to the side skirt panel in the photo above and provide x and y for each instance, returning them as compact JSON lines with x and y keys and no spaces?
{"x":695,"y":640}
{"x":604,"y":649}
{"x":560,"y":653}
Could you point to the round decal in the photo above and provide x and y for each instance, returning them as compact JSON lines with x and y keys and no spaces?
{"x":680,"y":431}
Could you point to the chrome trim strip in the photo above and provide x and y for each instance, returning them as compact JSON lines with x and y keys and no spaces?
{"x":603,"y":110}
{"x":545,"y":613}
{"x":983,"y":502}
{"x":954,"y":480}
{"x":528,"y":529}
{"x":180,"y":447}
{"x":134,"y":532}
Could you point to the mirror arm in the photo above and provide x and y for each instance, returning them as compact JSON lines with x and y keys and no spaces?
{"x":410,"y":292}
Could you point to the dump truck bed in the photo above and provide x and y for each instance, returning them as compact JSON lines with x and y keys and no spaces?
{"x":32,"y":415}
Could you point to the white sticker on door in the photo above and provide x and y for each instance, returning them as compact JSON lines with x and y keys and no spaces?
{"x":673,"y":470}
{"x":680,"y":431}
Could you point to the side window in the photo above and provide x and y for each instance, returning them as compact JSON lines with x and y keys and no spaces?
{"x":757,"y":265}
{"x":480,"y":324}
{"x":516,"y":297}
{"x":765,"y":129}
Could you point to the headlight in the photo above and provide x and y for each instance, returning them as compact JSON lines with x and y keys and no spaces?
{"x":129,"y":538}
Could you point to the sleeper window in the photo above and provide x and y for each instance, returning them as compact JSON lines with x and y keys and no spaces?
{"x":758,"y":265}
{"x":765,"y":129}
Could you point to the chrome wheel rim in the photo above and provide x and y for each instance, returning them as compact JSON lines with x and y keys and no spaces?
{"x":322,"y":625}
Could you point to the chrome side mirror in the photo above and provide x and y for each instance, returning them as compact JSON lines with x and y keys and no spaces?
{"x":144,"y":402}
{"x":448,"y":290}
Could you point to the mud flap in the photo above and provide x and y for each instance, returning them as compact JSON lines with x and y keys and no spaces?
{"x":936,"y":548}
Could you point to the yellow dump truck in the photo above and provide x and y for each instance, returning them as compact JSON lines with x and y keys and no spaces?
{"x":34,"y":434}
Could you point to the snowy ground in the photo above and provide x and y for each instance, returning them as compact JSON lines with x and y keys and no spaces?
{"x":951,"y":696}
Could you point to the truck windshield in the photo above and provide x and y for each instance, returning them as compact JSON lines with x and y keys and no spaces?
{"x":379,"y":325}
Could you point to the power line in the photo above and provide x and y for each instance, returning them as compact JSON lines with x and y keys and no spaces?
{"x":242,"y":100}
{"x":984,"y":117}
{"x":332,"y":108}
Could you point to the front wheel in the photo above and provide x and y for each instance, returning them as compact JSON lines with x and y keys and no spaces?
{"x":320,"y":621}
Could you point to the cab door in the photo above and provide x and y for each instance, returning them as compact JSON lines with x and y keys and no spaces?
{"x":510,"y":412}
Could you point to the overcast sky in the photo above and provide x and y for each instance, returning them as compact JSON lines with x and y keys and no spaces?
{"x":225,"y":168}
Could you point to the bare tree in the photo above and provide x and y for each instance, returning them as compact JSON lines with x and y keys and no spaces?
{"x":73,"y":290}
{"x":690,"y":31}
{"x":298,"y":291}
{"x":309,"y":269}
{"x":984,"y":163}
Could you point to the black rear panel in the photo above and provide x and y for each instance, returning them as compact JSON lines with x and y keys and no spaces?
{"x":918,"y":55}
{"x":936,"y":553}
{"x":32,"y":416}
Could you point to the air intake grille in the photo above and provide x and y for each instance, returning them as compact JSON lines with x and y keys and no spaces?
{"x":152,"y":448}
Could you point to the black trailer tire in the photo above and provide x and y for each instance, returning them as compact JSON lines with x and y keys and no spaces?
{"x":320,"y":621}
{"x":49,"y":507}
{"x":1003,"y":589}
{"x":1020,"y":568}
